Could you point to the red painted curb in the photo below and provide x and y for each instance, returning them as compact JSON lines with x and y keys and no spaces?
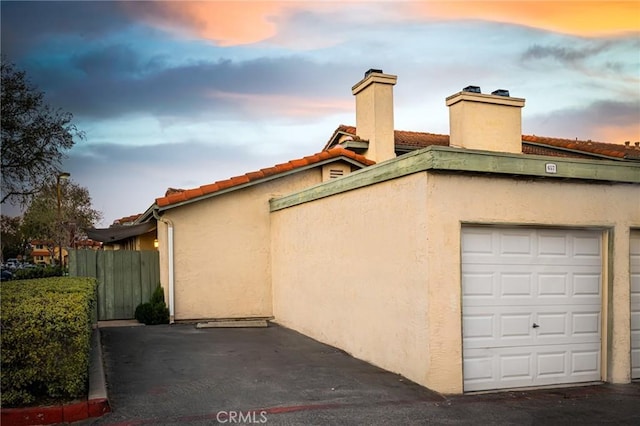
{"x":73,"y":412}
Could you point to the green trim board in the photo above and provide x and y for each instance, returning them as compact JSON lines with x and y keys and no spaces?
{"x":458,"y":160}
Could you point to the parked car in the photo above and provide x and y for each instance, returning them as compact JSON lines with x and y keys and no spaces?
{"x":5,"y":275}
{"x":12,"y":264}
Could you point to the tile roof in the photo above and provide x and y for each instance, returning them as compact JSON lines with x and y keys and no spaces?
{"x":531,"y":144}
{"x":611,"y":150}
{"x":179,"y":196}
{"x":127,"y":220}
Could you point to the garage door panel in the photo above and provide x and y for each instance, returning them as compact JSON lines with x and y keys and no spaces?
{"x":634,"y":246}
{"x":508,"y":326}
{"x":531,"y":307}
{"x":513,"y":284}
{"x":532,"y":247}
{"x":531,"y":366}
{"x":553,"y":364}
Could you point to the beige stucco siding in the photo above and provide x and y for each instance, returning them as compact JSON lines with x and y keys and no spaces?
{"x":504,"y":201}
{"x":350,"y":271}
{"x":222,"y":251}
{"x":376,"y":271}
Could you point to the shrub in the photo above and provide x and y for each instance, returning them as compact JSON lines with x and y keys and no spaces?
{"x":32,"y":273}
{"x":155,"y":311}
{"x":46,"y":339}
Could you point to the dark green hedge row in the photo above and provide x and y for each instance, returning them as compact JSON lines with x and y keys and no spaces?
{"x":46,"y":339}
{"x":32,"y":273}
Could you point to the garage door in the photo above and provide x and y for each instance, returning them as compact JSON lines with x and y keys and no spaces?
{"x":635,"y":305}
{"x":531,"y":304}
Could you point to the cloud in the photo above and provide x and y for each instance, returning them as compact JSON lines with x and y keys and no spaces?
{"x":125,"y":180}
{"x":584,"y":18}
{"x":564,"y":54}
{"x":25,"y":24}
{"x":225,"y":23}
{"x":605,"y":121}
{"x":113,"y":81}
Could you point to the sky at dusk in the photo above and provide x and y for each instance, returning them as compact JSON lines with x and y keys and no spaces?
{"x":181,"y":94}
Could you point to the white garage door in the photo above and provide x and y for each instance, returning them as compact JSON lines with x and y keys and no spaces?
{"x":531,"y":304}
{"x":635,"y":305}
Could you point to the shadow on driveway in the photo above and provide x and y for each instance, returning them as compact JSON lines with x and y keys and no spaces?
{"x":181,"y":375}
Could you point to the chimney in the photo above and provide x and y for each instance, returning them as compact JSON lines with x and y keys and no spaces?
{"x":374,"y":114}
{"x":485,"y":122}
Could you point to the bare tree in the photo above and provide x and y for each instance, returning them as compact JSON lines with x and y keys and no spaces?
{"x":34,"y":136}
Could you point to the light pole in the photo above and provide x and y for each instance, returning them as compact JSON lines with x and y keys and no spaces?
{"x":61,"y":176}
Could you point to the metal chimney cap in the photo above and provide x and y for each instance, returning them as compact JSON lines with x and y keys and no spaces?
{"x":472,"y":89}
{"x":372,"y":71}
{"x":501,"y":92}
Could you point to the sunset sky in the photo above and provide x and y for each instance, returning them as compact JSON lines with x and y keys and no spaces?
{"x":180,"y":94}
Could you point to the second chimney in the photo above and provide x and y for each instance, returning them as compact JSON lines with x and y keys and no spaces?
{"x":485,"y":122}
{"x":374,"y":114}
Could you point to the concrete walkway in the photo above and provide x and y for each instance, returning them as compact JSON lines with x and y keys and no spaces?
{"x":182,"y":375}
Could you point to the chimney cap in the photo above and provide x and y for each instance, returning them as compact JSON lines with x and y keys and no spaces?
{"x":472,"y":89}
{"x":372,"y":71}
{"x":500,"y":92}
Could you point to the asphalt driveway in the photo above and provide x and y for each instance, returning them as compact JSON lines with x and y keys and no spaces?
{"x":182,"y":375}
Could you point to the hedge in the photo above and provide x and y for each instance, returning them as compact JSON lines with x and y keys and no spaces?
{"x":46,"y":339}
{"x":39,"y":272}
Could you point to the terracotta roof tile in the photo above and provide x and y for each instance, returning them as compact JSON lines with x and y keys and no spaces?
{"x":554,"y":146}
{"x":126,"y":220}
{"x":193,"y":193}
{"x":177,"y":196}
{"x":174,"y":198}
{"x":299,"y":163}
{"x":255,"y":175}
{"x":239,"y":180}
{"x":270,"y":171}
{"x":598,"y":148}
{"x":212,"y":187}
{"x":285,"y":167}
{"x":224,"y":184}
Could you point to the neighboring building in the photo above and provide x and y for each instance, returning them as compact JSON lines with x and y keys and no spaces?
{"x":478,"y":260}
{"x":126,"y":234}
{"x":42,"y":252}
{"x":46,"y":252}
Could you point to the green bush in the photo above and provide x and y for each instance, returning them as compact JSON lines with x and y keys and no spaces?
{"x":45,"y":338}
{"x":32,"y":273}
{"x":155,"y":311}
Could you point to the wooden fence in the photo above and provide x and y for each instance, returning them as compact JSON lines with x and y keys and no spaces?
{"x":125,"y":278}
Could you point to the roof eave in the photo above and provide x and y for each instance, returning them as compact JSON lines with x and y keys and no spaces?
{"x":258,"y":181}
{"x":147,"y":215}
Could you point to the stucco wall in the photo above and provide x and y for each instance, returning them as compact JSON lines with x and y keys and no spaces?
{"x":376,"y":271}
{"x":506,"y":201}
{"x":145,"y":241}
{"x":221,"y":248}
{"x":349,"y":271}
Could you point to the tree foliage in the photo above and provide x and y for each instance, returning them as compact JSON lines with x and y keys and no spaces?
{"x":12,"y":240}
{"x":34,"y":136}
{"x":41,"y":221}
